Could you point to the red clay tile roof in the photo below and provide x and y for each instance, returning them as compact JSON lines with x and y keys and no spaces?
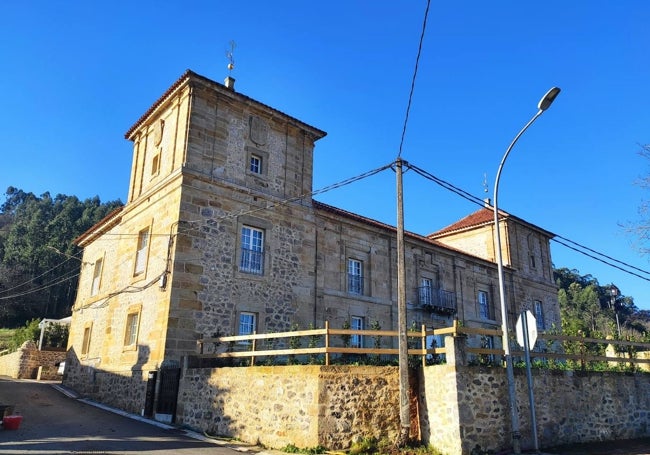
{"x":189,"y":74}
{"x":482,"y":217}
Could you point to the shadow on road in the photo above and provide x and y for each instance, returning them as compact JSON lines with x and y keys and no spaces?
{"x":55,"y":423}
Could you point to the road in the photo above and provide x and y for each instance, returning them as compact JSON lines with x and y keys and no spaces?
{"x":54,"y":423}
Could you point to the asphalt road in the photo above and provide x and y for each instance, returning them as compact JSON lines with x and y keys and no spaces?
{"x":54,"y":423}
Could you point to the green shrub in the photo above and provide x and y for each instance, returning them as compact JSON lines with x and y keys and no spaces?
{"x":30,"y":331}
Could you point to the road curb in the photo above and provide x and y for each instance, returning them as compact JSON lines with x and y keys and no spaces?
{"x":189,"y":433}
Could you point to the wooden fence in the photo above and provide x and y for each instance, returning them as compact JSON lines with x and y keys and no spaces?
{"x":328,"y":342}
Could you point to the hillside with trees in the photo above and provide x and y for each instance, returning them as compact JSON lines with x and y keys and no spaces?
{"x":39,"y":262}
{"x":589,"y":309}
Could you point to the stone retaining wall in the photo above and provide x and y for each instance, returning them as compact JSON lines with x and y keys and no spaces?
{"x":25,"y":362}
{"x":468,"y":406}
{"x":301,"y":405}
{"x":459,"y":407}
{"x":124,"y":389}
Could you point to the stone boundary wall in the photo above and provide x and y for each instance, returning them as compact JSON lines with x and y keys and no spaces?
{"x":301,"y":405}
{"x":570,"y":407}
{"x":124,"y":390}
{"x":459,"y":407}
{"x":25,"y":362}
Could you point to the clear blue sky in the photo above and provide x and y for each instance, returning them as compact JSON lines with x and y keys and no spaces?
{"x":77,"y":74}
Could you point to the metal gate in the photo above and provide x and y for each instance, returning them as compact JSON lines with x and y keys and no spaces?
{"x":168,"y":394}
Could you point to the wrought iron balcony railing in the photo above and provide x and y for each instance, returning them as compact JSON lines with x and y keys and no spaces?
{"x":437,"y":300}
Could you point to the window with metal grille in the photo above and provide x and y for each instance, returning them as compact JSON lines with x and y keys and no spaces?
{"x":252,"y":250}
{"x":247,"y":325}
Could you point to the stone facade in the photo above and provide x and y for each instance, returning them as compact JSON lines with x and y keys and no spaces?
{"x":220,"y":236}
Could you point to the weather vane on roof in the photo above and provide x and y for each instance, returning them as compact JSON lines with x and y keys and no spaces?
{"x":230,"y":57}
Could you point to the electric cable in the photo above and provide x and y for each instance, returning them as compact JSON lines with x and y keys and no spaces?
{"x":415,"y":72}
{"x":41,"y":275}
{"x":476,"y":200}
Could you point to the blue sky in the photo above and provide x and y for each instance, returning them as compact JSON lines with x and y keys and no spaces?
{"x":76,"y":75}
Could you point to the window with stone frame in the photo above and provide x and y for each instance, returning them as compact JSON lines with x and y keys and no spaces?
{"x":142,"y":252}
{"x":97,"y":277}
{"x":426,"y":291}
{"x":539,"y":315}
{"x":355,"y":276}
{"x":356,"y":323}
{"x":155,"y":164}
{"x":85,"y":343}
{"x":131,"y":329}
{"x":484,"y":305}
{"x":255,"y":164}
{"x":247,"y":325}
{"x":252,"y":250}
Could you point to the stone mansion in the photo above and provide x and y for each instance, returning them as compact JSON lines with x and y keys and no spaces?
{"x":220,"y":235}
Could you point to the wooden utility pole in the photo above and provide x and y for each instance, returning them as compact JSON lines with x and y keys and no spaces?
{"x":404,"y":410}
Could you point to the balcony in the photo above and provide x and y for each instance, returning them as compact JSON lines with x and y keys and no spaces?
{"x":437,"y":300}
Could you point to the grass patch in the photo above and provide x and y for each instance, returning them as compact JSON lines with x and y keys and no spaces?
{"x":366,"y":446}
{"x":5,"y":338}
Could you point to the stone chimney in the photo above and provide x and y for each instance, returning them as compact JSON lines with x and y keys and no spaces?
{"x":229,"y":82}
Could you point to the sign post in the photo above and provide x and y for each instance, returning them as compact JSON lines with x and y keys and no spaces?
{"x":526,"y":329}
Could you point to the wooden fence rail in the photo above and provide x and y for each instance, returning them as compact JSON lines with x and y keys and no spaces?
{"x":323,"y":342}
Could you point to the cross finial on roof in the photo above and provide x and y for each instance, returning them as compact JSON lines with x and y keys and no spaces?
{"x":230,"y":56}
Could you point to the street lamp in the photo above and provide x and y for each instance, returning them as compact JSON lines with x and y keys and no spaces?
{"x":614,"y":293}
{"x":544,"y":104}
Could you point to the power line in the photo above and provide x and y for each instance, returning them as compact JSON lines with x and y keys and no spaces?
{"x":446,"y":185}
{"x":42,"y":288}
{"x":119,"y":236}
{"x":600,"y":254}
{"x":578,"y":247}
{"x":415,"y":72}
{"x":603,"y":261}
{"x":41,"y":275}
{"x":271,"y":205}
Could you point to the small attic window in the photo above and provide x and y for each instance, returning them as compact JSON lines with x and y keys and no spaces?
{"x":155,"y":165}
{"x":256,"y":164}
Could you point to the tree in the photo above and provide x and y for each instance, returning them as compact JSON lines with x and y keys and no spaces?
{"x":641,"y":229}
{"x":586,"y":307}
{"x":39,"y":263}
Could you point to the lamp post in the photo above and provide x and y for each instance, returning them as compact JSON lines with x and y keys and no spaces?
{"x":544,"y":104}
{"x":614,"y":293}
